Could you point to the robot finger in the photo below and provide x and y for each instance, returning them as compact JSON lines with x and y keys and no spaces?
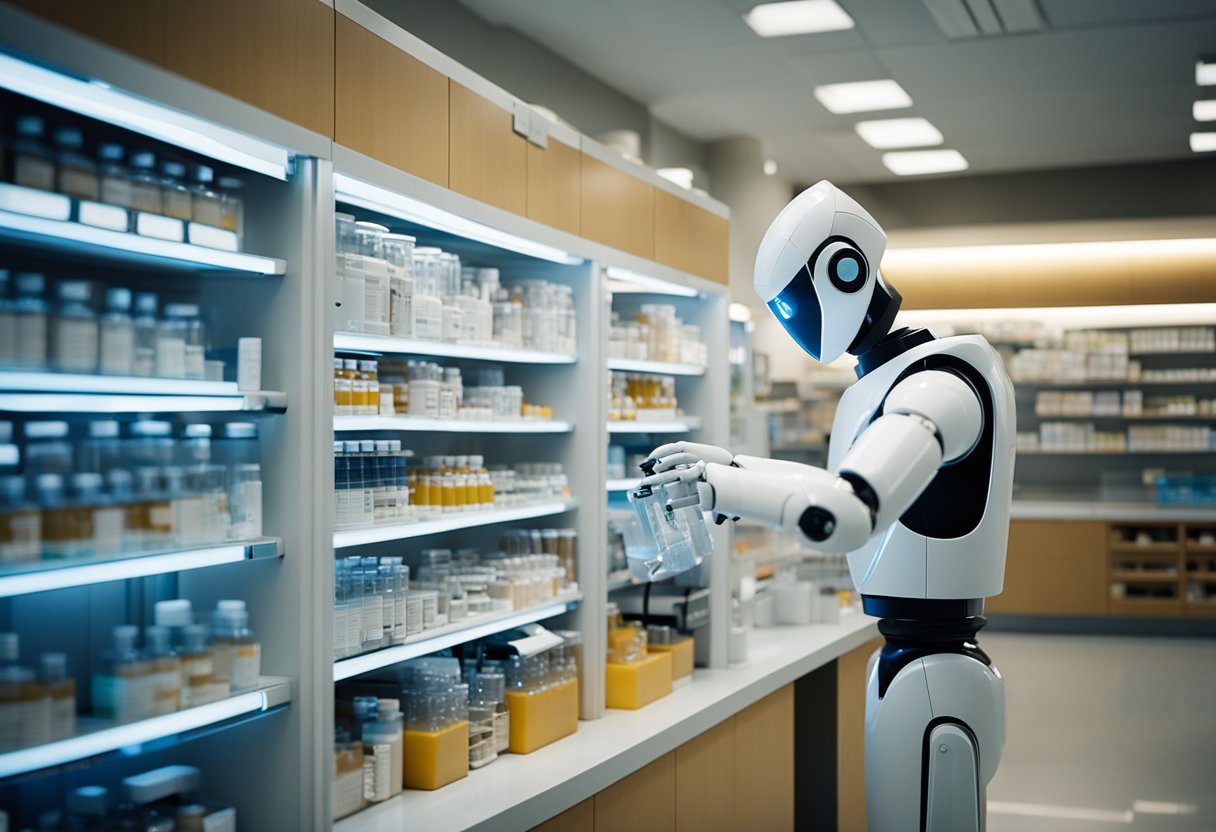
{"x":666,"y":463}
{"x":692,"y":473}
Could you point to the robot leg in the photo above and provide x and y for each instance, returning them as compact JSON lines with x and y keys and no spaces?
{"x":933,"y":742}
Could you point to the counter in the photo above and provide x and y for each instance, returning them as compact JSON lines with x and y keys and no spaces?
{"x":1105,"y":510}
{"x":519,"y":792}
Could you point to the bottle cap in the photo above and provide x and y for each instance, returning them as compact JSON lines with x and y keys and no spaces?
{"x":80,"y":291}
{"x":125,"y":635}
{"x":240,"y":430}
{"x":350,"y":364}
{"x":383,"y":446}
{"x":110,"y":152}
{"x":156,"y":639}
{"x":203,"y":174}
{"x":197,"y":431}
{"x":173,"y":613}
{"x":118,"y":299}
{"x":49,"y":482}
{"x":69,"y":137}
{"x":367,"y":366}
{"x":181,"y":310}
{"x":144,"y":160}
{"x":30,"y":283}
{"x":29,"y":126}
{"x":338,"y":363}
{"x":46,"y":430}
{"x":54,"y":667}
{"x":103,"y":429}
{"x":174,"y":169}
{"x":145,"y":303}
{"x":370,"y":227}
{"x":367,"y":446}
{"x":90,"y":801}
{"x":86,"y":482}
{"x":150,"y":428}
{"x":230,"y":605}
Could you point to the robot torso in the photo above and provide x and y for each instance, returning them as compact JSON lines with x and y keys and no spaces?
{"x":951,"y":543}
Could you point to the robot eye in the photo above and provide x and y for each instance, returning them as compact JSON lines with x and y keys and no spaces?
{"x":847,"y":270}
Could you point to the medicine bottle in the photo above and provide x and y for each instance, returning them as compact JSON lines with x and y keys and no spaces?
{"x":383,"y":763}
{"x":115,"y":178}
{"x":190,"y":327}
{"x":165,"y":671}
{"x":199,"y":685}
{"x":373,"y":605}
{"x":368,"y":374}
{"x":58,"y":522}
{"x":232,"y":208}
{"x":75,"y":332}
{"x":8,"y":320}
{"x":33,"y":164}
{"x":76,"y":174}
{"x":32,"y":313}
{"x":61,"y":689}
{"x":122,"y":690}
{"x":20,"y":523}
{"x":205,"y":205}
{"x":176,"y":199}
{"x":343,"y":394}
{"x":145,"y":184}
{"x":117,"y":338}
{"x":245,"y":501}
{"x":237,"y":654}
{"x":144,"y":325}
{"x":171,"y":342}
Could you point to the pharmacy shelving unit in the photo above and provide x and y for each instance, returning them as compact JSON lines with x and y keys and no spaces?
{"x":269,"y":289}
{"x":281,"y":288}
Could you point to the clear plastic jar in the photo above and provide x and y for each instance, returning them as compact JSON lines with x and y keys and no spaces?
{"x":205,"y":201}
{"x":75,"y":333}
{"x":146,"y":194}
{"x":33,"y":316}
{"x":33,"y":162}
{"x":117,"y":334}
{"x":115,"y":179}
{"x":176,"y":199}
{"x":76,"y":174}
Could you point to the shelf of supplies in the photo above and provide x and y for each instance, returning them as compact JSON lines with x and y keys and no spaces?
{"x":418,"y":423}
{"x":619,"y":580}
{"x":667,"y":368}
{"x":387,"y":344}
{"x":35,"y":392}
{"x":421,"y":528}
{"x":95,"y":737}
{"x":25,"y":579}
{"x":683,"y":425}
{"x":1201,"y":577}
{"x":1095,"y":417}
{"x":1151,"y":607}
{"x":1112,"y":384}
{"x":450,"y":635}
{"x":1168,"y":353}
{"x":1113,"y":453}
{"x":1132,"y":576}
{"x":622,"y":485}
{"x":1166,"y":547}
{"x":130,"y":249}
{"x":1194,"y":548}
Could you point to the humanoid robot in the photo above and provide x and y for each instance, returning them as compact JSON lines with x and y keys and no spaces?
{"x":917,"y":493}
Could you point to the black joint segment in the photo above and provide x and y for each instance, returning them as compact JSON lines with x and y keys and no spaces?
{"x":647,"y":466}
{"x":817,"y":523}
{"x":907,"y":641}
{"x":921,"y":610}
{"x":719,"y":519}
{"x":863,"y":492}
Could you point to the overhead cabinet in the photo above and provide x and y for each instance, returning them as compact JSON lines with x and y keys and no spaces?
{"x":134,"y":26}
{"x":617,"y":208}
{"x":389,"y":105}
{"x":554,"y":186}
{"x":689,"y":238}
{"x":488,"y":160}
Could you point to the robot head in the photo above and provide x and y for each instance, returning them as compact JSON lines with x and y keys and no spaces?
{"x":817,"y":269}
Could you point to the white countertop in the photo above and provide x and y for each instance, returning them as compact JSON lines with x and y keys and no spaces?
{"x":1105,"y":510}
{"x":521,"y":791}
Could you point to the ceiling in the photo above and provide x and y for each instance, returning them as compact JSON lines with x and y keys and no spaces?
{"x":1105,"y":82}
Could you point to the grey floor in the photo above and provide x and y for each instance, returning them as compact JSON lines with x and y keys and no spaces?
{"x":1105,"y":734}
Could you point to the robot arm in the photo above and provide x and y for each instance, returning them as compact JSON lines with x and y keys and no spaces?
{"x":928,"y":418}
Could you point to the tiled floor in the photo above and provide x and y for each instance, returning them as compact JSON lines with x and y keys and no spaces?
{"x":1105,"y":734}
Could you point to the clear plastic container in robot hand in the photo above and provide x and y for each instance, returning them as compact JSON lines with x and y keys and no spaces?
{"x":672,"y":536}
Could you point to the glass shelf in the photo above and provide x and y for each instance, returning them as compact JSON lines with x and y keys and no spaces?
{"x":684,"y":425}
{"x":130,"y":249}
{"x":385,"y":344}
{"x":99,"y":736}
{"x":402,"y":531}
{"x":418,"y":423}
{"x":36,"y":392}
{"x":662,"y":367}
{"x":622,"y":485}
{"x":47,"y":575}
{"x":457,"y":633}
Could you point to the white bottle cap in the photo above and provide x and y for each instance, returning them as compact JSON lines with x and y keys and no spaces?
{"x":91,"y":801}
{"x":230,"y":605}
{"x":174,"y":613}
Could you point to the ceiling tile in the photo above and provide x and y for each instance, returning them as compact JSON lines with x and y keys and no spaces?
{"x":1062,"y":14}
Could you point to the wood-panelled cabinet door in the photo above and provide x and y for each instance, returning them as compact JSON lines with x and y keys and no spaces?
{"x":617,"y":209}
{"x":1054,"y":567}
{"x":488,"y":160}
{"x":274,"y":54}
{"x":578,"y":818}
{"x":134,"y":26}
{"x":689,"y":238}
{"x":644,"y":801}
{"x":705,"y":781}
{"x":764,"y":763}
{"x":553,"y":185}
{"x":389,"y":105}
{"x":850,"y":737}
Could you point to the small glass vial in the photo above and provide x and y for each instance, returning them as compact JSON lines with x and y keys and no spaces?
{"x":117,"y":334}
{"x":176,"y":199}
{"x":245,"y":501}
{"x":61,"y":688}
{"x":369,"y":374}
{"x":33,"y":163}
{"x":145,"y":184}
{"x":8,"y":320}
{"x":20,"y":523}
{"x":74,"y":345}
{"x":343,"y":394}
{"x":145,"y":333}
{"x":205,"y":207}
{"x":199,"y":685}
{"x":76,"y":174}
{"x":238,"y":655}
{"x":122,"y":690}
{"x":33,"y":316}
{"x":165,"y":668}
{"x":232,"y":208}
{"x":171,"y":342}
{"x":115,"y":179}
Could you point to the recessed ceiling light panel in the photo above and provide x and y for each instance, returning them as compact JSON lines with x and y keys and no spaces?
{"x":1204,"y":110}
{"x":1205,"y":72}
{"x":889,"y":133}
{"x":863,"y":96}
{"x":798,"y":17}
{"x":1203,"y":142}
{"x":918,"y":162}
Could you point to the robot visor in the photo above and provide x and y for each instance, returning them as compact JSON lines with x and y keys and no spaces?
{"x":797,"y":309}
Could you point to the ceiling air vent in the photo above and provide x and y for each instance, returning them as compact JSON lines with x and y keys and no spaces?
{"x":986,"y":18}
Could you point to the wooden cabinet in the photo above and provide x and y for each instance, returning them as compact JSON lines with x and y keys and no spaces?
{"x":645,"y":801}
{"x":578,"y":818}
{"x":616,"y":209}
{"x":134,"y":26}
{"x":554,"y":185}
{"x":689,"y":238}
{"x":487,"y":159}
{"x":850,"y":737}
{"x":274,"y":54}
{"x":389,"y":105}
{"x":1054,"y":567}
{"x":705,"y":781}
{"x":764,"y":763}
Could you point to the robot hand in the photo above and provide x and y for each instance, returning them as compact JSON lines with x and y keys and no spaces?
{"x":696,"y":489}
{"x":666,"y":457}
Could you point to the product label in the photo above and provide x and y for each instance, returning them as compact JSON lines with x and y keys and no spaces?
{"x":246,"y":667}
{"x":109,"y":525}
{"x":117,"y":349}
{"x":63,"y":716}
{"x":373,"y":618}
{"x":375,"y":303}
{"x":8,"y":339}
{"x":170,"y":357}
{"x":166,"y":690}
{"x":198,"y":675}
{"x":78,"y":183}
{"x":188,"y":520}
{"x":342,"y":508}
{"x":246,"y":510}
{"x":31,"y":340}
{"x":194,"y":362}
{"x":20,"y":536}
{"x":401,"y":306}
{"x":75,"y":347}
{"x":377,"y":772}
{"x":354,"y":627}
{"x":341,"y":624}
{"x":399,"y":615}
{"x":34,"y":172}
{"x":116,"y":190}
{"x":221,"y":657}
